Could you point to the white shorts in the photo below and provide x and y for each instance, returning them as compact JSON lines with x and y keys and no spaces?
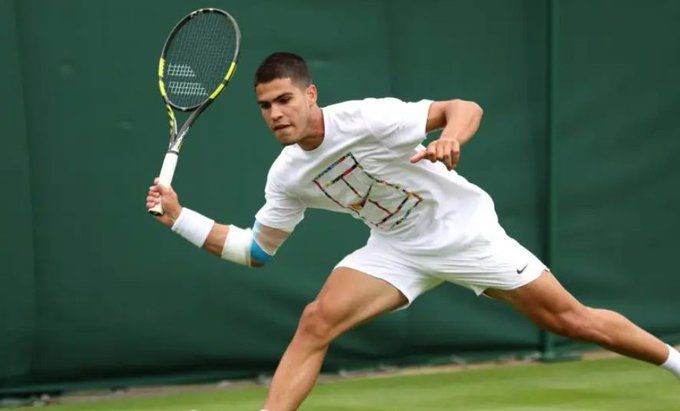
{"x":498,"y":263}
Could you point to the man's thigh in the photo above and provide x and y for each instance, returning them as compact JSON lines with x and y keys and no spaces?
{"x":353,"y":297}
{"x":385,"y":263}
{"x":541,"y":298}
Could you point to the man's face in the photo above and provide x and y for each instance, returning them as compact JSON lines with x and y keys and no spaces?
{"x":286,"y":108}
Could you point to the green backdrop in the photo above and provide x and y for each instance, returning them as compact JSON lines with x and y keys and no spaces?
{"x":577,"y":147}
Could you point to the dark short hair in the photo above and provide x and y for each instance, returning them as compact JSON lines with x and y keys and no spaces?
{"x":283,"y":65}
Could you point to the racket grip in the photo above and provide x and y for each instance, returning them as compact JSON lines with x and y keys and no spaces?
{"x":165,"y":178}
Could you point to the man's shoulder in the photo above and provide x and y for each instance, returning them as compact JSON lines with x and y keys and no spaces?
{"x":357,"y":117}
{"x":358,"y":105}
{"x":282,"y":166}
{"x":282,"y":161}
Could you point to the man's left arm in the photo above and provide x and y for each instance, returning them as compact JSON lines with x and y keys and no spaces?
{"x":460,"y":120}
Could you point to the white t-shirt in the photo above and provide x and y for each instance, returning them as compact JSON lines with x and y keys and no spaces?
{"x":362,"y":169}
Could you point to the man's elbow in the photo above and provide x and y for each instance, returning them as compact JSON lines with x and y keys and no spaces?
{"x":479,"y":112}
{"x":470,"y":106}
{"x":479,"y":109}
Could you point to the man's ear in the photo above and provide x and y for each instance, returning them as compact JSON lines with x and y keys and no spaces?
{"x":311,"y":93}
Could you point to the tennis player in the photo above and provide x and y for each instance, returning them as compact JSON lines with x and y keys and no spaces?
{"x":427,"y":223}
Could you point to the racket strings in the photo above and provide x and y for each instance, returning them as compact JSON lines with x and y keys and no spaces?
{"x":198,"y":58}
{"x":187,"y":88}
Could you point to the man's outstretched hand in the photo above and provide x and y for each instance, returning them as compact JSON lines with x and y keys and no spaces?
{"x":444,"y":149}
{"x":168,"y":199}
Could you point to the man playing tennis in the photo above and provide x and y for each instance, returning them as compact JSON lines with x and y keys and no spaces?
{"x":428,"y":224}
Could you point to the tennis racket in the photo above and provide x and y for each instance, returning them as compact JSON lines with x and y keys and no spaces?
{"x":198,"y":60}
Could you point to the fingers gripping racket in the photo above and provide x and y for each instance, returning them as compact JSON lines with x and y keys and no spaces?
{"x":198,"y":59}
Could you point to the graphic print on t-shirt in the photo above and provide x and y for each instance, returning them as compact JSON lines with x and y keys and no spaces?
{"x":377,"y":202}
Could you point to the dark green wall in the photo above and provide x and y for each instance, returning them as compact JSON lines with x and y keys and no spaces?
{"x":17,"y":279}
{"x":581,"y":105}
{"x":617,"y":137}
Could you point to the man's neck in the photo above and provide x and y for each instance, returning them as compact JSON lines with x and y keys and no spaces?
{"x":316,"y":132}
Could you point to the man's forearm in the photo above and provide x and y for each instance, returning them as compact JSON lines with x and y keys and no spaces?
{"x":250,"y":247}
{"x":462,"y":120}
{"x":214,"y":243}
{"x":227,"y":242}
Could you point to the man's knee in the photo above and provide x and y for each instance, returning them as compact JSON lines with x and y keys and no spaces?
{"x":320,"y":321}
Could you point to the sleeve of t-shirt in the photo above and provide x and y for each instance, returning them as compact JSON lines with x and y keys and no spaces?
{"x":399,"y":125}
{"x":281,"y":210}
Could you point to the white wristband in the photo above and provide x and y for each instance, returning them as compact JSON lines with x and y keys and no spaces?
{"x":193,"y":226}
{"x":237,"y":245}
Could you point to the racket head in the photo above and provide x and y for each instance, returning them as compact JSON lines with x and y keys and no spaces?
{"x":198,"y":58}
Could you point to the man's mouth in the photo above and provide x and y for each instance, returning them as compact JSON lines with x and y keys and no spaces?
{"x":281,"y":127}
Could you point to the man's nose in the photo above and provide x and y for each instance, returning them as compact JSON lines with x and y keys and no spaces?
{"x":276,"y":113}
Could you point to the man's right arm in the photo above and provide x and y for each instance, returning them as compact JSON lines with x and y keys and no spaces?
{"x":247,"y":247}
{"x":216,"y":238}
{"x":265,"y":242}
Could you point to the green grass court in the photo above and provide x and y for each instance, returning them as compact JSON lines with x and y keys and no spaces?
{"x":601,"y":385}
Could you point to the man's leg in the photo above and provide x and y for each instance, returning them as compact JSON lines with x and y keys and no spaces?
{"x":348,"y":299}
{"x":551,"y":307}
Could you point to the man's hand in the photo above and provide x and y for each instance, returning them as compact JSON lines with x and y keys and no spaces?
{"x":460,"y":121}
{"x":444,"y":149}
{"x":168,"y":198}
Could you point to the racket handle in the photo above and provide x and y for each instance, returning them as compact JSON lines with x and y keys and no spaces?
{"x":165,"y":178}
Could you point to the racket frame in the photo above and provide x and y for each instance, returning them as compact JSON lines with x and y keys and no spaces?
{"x":177,"y":136}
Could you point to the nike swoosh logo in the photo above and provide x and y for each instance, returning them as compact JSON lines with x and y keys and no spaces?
{"x":519,"y":271}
